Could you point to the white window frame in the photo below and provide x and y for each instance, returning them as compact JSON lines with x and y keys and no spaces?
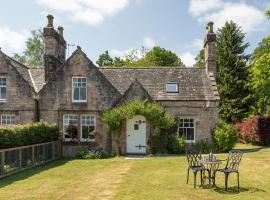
{"x":70,"y":139}
{"x":3,"y":100}
{"x":9,"y":120}
{"x":172,"y":83}
{"x":79,"y":101}
{"x":95,"y":125}
{"x":194,"y":127}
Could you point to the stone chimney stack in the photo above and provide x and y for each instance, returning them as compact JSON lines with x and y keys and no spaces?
{"x":55,"y":48}
{"x":210,"y":49}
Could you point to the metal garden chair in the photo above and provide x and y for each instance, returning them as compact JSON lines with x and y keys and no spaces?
{"x":232,"y":165}
{"x":194,"y":165}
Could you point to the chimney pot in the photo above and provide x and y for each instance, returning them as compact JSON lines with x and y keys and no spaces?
{"x":210,"y":27}
{"x":60,"y":30}
{"x":50,"y":21}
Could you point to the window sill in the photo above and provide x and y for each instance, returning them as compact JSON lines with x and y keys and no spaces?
{"x":87,"y":140}
{"x":190,"y":141}
{"x":3,"y":101}
{"x":79,"y":101}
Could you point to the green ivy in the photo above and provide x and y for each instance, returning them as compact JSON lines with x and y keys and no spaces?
{"x":156,"y":114}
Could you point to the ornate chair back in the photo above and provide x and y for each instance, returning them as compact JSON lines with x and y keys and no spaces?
{"x":234,"y":159}
{"x":193,"y":158}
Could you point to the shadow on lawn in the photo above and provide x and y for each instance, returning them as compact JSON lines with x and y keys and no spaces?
{"x":234,"y":190}
{"x":252,"y":150}
{"x":30,"y":172}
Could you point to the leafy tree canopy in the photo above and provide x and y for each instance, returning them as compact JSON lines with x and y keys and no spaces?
{"x":232,"y":73}
{"x":263,"y":47}
{"x":157,"y":56}
{"x":33,"y":54}
{"x":200,"y":59}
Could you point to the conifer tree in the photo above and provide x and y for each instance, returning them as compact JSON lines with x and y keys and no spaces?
{"x":232,"y":73}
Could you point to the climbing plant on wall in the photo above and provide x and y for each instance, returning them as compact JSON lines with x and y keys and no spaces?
{"x":155,"y":114}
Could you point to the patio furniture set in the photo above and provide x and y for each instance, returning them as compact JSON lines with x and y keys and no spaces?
{"x":210,"y":164}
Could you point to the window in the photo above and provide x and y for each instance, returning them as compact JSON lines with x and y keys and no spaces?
{"x":171,"y":87}
{"x":186,"y":128}
{"x":79,"y":89}
{"x":88,"y":127}
{"x":70,"y":127}
{"x":7,"y":120}
{"x":3,"y":88}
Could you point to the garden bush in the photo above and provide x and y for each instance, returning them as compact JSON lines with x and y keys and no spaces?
{"x":21,"y":135}
{"x":93,"y":154}
{"x":255,"y":130}
{"x":224,"y":137}
{"x":176,"y":144}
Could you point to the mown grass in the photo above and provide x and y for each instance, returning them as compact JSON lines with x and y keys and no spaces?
{"x":148,"y":178}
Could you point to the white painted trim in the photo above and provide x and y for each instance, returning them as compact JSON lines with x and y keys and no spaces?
{"x":10,"y":116}
{"x":188,"y":117}
{"x":4,"y":100}
{"x":82,"y":139}
{"x":67,"y":139}
{"x":78,"y":101}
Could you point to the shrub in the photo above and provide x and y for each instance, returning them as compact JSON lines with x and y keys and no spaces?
{"x":203,"y":146}
{"x":21,"y":135}
{"x":83,"y":153}
{"x":255,"y":130}
{"x":176,"y":145}
{"x":224,"y":137}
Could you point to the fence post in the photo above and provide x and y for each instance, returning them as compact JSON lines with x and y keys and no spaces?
{"x":53,"y":153}
{"x":33,"y":156}
{"x":20,"y":158}
{"x":2,"y":163}
{"x":44,"y":154}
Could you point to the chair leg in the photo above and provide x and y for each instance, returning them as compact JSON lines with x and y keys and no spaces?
{"x":195,"y":174}
{"x":187,"y":175}
{"x":238,"y":181}
{"x":226,"y":181}
{"x":214,"y":178}
{"x":201,"y":178}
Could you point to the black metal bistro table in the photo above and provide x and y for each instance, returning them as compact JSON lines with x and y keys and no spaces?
{"x":211,"y":165}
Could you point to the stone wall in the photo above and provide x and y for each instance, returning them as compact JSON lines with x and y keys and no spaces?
{"x":20,"y":101}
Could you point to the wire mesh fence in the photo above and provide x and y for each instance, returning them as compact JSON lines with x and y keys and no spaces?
{"x":19,"y":158}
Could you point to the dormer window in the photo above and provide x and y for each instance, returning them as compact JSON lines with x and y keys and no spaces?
{"x":79,"y":89}
{"x":172,"y":88}
{"x":3,"y":88}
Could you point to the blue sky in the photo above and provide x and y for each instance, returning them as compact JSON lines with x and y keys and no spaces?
{"x":122,"y":25}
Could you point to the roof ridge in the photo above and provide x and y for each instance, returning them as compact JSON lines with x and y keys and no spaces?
{"x":154,"y":67}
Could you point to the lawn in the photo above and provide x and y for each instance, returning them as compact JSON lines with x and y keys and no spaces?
{"x":148,"y":178}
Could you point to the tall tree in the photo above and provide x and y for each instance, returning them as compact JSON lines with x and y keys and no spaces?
{"x":161,"y":57}
{"x":232,"y":73}
{"x":33,"y":54}
{"x":261,"y":84}
{"x":267,"y":13}
{"x":105,"y":60}
{"x":200,"y":59}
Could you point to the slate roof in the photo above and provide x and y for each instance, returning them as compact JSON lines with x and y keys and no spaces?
{"x":193,"y":83}
{"x":20,"y":68}
{"x":38,"y":76}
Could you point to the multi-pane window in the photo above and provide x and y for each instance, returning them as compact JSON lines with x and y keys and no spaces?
{"x":3,"y":88}
{"x":171,"y":87}
{"x":70,"y":127}
{"x":79,"y":89}
{"x":88,"y":126}
{"x":7,"y":120}
{"x":186,"y":128}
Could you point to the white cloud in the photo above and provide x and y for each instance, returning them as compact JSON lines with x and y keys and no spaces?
{"x":250,"y":18}
{"x":91,"y":12}
{"x":119,"y":53}
{"x":12,"y":41}
{"x":148,"y":42}
{"x":188,"y":58}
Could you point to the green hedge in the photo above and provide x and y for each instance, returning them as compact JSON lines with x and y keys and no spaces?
{"x":21,"y":135}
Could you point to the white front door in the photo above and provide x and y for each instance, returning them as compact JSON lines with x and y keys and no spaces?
{"x":136,"y":135}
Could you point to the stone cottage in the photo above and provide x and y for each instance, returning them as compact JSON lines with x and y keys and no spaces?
{"x":72,"y":92}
